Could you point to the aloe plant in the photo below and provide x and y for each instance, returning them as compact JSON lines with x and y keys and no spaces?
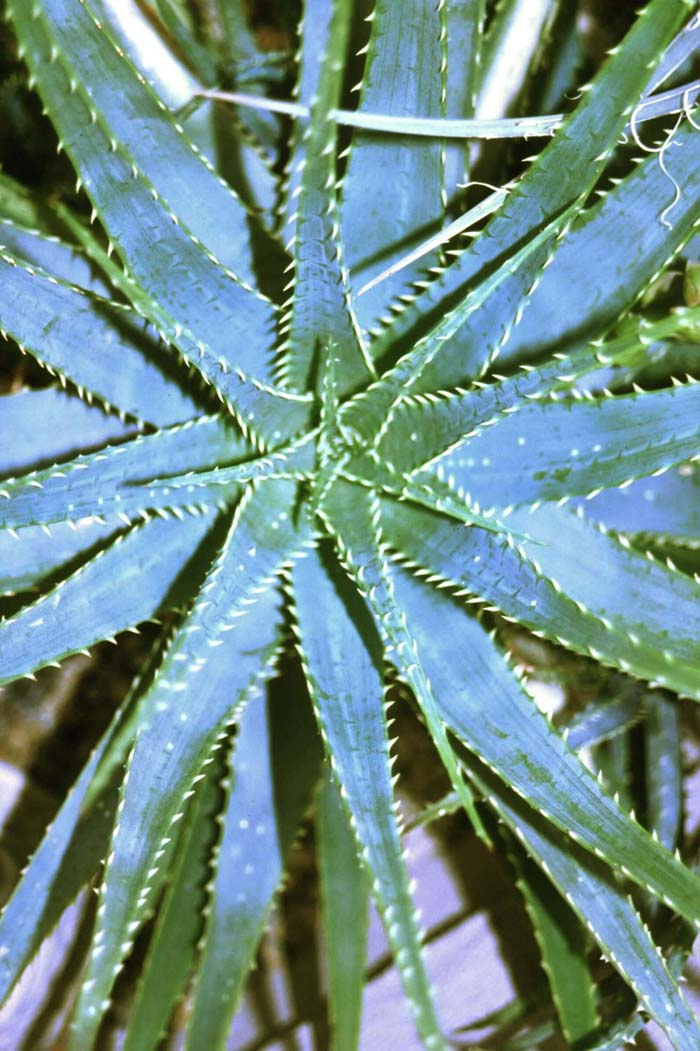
{"x":304,"y":427}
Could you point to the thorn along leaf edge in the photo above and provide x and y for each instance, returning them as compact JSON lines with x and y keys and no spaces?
{"x":349,"y":437}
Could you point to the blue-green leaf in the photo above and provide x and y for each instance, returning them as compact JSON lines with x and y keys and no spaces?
{"x":556,"y":592}
{"x":276,"y":763}
{"x":593,"y":277}
{"x":497,"y":720}
{"x":392,"y":187}
{"x":114,"y":481}
{"x":171,"y":950}
{"x":592,"y":891}
{"x":336,"y":634}
{"x":551,"y":450}
{"x":663,"y":768}
{"x":28,"y":556}
{"x":61,"y":326}
{"x":667,"y":503}
{"x":320,"y":313}
{"x":563,"y":947}
{"x":44,"y":426}
{"x":566,"y":170}
{"x":345,"y":887}
{"x":150,"y":561}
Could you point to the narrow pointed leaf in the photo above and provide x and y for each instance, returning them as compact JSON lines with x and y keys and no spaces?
{"x":555,"y":449}
{"x":48,"y":425}
{"x":232,"y":632}
{"x":320,"y":312}
{"x":497,"y":573}
{"x":86,"y":607}
{"x":497,"y":720}
{"x":597,"y":898}
{"x":663,"y":768}
{"x":29,"y":556}
{"x":73,"y":490}
{"x":667,"y":503}
{"x":562,"y":943}
{"x":50,"y":320}
{"x":345,"y":888}
{"x":276,"y":763}
{"x":335,"y":633}
{"x":565,"y":170}
{"x":172,"y":949}
{"x":393,"y":185}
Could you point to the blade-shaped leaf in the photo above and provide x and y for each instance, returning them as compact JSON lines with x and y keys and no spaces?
{"x":276,"y":763}
{"x":563,"y":947}
{"x":51,"y":321}
{"x":593,"y":893}
{"x":320,"y":312}
{"x":171,"y":951}
{"x":663,"y":767}
{"x":497,"y":720}
{"x":151,"y":562}
{"x":592,"y":278}
{"x":491,"y":570}
{"x":114,"y":481}
{"x":667,"y":503}
{"x":224,"y":329}
{"x":47,"y":425}
{"x":28,"y":556}
{"x":232,"y":632}
{"x":371,"y":412}
{"x":335,"y":634}
{"x":556,"y":449}
{"x":393,"y":185}
{"x":565,"y":170}
{"x":345,"y":887}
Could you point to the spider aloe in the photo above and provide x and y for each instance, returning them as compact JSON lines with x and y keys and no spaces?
{"x":300,"y":428}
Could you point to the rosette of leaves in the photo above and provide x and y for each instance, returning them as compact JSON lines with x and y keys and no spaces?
{"x":291,"y":419}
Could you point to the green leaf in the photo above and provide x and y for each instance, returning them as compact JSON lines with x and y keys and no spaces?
{"x":425,"y":426}
{"x":353,"y":518}
{"x":72,"y":848}
{"x":594,"y":277}
{"x":392,"y":187}
{"x":48,"y":425}
{"x":86,"y":71}
{"x":551,"y":450}
{"x":667,"y":503}
{"x":114,"y":481}
{"x":52,"y":321}
{"x":336,"y":634}
{"x":544,"y":584}
{"x":663,"y":768}
{"x":498,"y":721}
{"x":565,"y":171}
{"x":563,"y":946}
{"x":276,"y":763}
{"x":63,"y":260}
{"x":29,"y":556}
{"x":596,"y":897}
{"x":151,"y":563}
{"x":604,"y":719}
{"x":656,"y":606}
{"x":171,"y":950}
{"x":345,"y":887}
{"x":463,"y":39}
{"x":320,"y":312}
{"x":194,"y":301}
{"x":236,"y":606}
{"x":371,"y":412}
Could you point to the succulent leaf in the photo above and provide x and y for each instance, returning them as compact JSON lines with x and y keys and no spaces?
{"x":268,"y":447}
